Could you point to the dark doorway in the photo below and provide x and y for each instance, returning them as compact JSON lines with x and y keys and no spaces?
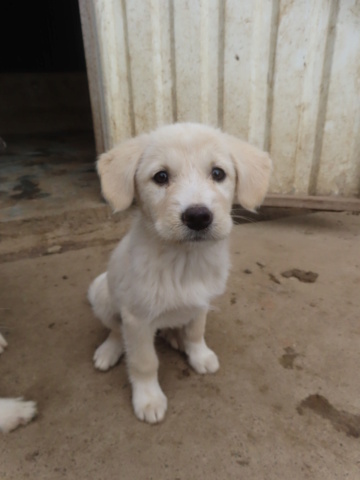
{"x":46,"y":137}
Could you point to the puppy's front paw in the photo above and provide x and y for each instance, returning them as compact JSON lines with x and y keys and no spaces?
{"x":202,"y":359}
{"x":3,"y":343}
{"x":15,"y":412}
{"x":108,"y":354}
{"x":149,"y":401}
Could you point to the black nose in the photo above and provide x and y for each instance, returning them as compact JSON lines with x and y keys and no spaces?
{"x":197,"y":217}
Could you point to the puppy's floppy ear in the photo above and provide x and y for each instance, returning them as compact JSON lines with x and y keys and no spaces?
{"x":117,"y":169}
{"x":253,"y":169}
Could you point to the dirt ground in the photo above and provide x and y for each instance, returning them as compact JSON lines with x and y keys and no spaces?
{"x":284,"y":404}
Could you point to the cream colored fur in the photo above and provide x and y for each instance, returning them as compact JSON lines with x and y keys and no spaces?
{"x":164,"y":274}
{"x":14,"y":411}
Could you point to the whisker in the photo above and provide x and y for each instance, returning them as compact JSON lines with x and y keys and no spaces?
{"x":242,"y":217}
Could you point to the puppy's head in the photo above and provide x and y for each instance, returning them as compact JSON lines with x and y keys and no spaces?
{"x":185,"y":178}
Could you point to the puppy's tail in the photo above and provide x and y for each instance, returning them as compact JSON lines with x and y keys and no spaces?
{"x":99,"y":298}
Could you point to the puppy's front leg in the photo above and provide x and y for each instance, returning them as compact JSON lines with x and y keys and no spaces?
{"x":148,"y":399}
{"x":201,"y":358}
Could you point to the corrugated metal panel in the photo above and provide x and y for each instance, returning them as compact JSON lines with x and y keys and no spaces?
{"x":285,"y":75}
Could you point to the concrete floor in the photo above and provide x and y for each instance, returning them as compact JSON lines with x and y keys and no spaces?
{"x":42,"y":173}
{"x":284,"y":404}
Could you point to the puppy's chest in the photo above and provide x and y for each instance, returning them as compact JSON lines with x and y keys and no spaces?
{"x":175,"y":280}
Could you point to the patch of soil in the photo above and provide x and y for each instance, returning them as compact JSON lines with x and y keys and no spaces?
{"x":306,"y":277}
{"x":342,"y":421}
{"x":28,"y":189}
{"x":288,"y":358}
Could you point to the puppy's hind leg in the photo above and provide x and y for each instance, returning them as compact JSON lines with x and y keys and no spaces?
{"x":110,"y":351}
{"x":174,"y":337}
{"x":99,"y":298}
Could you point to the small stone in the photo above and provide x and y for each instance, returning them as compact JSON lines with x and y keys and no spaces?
{"x":54,"y":249}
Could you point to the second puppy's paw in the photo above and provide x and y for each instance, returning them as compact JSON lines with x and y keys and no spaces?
{"x":3,"y":343}
{"x":15,"y":412}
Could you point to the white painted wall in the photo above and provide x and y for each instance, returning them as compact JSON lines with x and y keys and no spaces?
{"x":283,"y":74}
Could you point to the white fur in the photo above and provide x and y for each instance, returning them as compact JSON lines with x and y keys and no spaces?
{"x":14,"y":411}
{"x":109,"y":352}
{"x":3,"y":343}
{"x":164,"y":274}
{"x":201,"y":358}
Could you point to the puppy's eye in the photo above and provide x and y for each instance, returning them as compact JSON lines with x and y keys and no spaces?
{"x":218,"y":174}
{"x":161,"y":178}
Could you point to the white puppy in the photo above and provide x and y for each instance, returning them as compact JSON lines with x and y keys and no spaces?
{"x":14,"y":411}
{"x":174,"y":260}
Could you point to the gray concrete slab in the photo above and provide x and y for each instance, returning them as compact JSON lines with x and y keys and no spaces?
{"x":284,"y":404}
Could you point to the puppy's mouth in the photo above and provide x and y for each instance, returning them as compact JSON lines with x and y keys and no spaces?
{"x":200,"y":235}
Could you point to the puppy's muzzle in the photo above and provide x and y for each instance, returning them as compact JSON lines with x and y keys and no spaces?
{"x":197,"y":217}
